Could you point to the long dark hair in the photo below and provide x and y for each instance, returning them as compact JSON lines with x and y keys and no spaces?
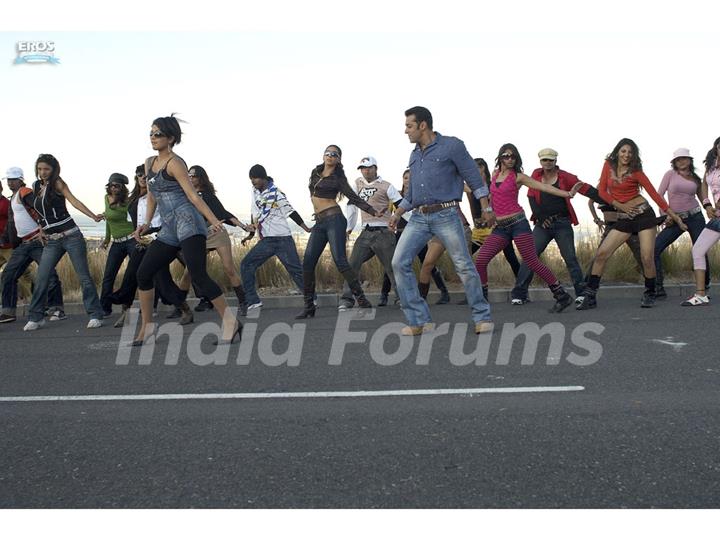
{"x":204,"y":183}
{"x":482,"y":164}
{"x":402,"y":190}
{"x":316,"y":173}
{"x":518,"y":160}
{"x":122,"y":196}
{"x":711,"y":158}
{"x":49,"y":159}
{"x":135,"y":193}
{"x":635,"y":162}
{"x":693,"y":174}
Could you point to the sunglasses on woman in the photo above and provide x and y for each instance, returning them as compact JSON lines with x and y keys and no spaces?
{"x":507,"y":156}
{"x":332,"y":154}
{"x":157,"y":134}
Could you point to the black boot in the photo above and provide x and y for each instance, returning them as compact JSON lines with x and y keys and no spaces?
{"x":351,"y":277}
{"x":444,"y":297}
{"x":359,"y":295}
{"x":242,"y":304}
{"x":383,"y":300}
{"x":308,"y":295}
{"x":203,"y":305}
{"x":424,"y":288}
{"x":562,"y":299}
{"x":588,"y":299}
{"x":648,"y":299}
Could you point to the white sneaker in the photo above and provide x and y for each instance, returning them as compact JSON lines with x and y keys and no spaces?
{"x":696,"y":300}
{"x":95,"y":323}
{"x":254,"y":306}
{"x":32,"y":325}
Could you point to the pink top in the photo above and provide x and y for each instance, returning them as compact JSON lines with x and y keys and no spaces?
{"x":713,"y":181}
{"x":681,"y":191}
{"x":505,"y":195}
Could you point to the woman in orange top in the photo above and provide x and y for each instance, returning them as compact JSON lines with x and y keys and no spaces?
{"x":620,"y":183}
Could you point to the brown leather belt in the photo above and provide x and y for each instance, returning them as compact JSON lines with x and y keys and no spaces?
{"x":328,"y":212}
{"x":432,"y":208}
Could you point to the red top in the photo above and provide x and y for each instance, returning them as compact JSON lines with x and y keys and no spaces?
{"x":628,"y":188}
{"x":4,"y":207}
{"x":565,"y":182}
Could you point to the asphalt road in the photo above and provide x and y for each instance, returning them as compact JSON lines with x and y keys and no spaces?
{"x":642,"y":433}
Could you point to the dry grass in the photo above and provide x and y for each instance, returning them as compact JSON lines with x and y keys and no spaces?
{"x":677,"y":263}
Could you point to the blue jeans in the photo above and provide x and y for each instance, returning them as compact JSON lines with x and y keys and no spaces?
{"x":115,"y":257}
{"x":330,"y":230}
{"x":446,"y":225}
{"x":74,"y":246}
{"x":695,"y":225}
{"x":281,"y":246}
{"x":20,"y":259}
{"x":562,"y":232}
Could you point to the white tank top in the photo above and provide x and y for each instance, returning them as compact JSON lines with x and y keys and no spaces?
{"x":24,"y":223}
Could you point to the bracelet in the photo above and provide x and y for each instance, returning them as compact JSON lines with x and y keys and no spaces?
{"x":707,"y":204}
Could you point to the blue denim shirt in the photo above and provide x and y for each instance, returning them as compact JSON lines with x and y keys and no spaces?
{"x":438,"y":172}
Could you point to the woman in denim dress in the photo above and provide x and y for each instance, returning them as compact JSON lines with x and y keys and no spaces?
{"x":183,"y":229}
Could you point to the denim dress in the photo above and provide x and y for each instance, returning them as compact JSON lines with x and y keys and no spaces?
{"x":180,"y":218}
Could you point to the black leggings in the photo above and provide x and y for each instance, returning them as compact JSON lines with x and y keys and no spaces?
{"x":160,"y":255}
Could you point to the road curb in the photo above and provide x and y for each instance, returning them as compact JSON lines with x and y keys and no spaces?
{"x":676,"y":293}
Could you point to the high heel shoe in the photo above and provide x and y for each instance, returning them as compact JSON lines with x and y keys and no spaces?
{"x":237,"y":332}
{"x":139,"y":342}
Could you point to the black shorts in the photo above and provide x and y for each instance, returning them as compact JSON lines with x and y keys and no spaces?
{"x":641,"y":222}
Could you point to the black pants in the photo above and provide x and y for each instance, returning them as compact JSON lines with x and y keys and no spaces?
{"x":165,"y":288}
{"x":159,"y":255}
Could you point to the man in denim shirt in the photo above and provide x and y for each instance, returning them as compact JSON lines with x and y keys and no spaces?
{"x":438,"y":167}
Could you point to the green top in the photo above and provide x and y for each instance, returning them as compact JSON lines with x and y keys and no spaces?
{"x":116,"y":221}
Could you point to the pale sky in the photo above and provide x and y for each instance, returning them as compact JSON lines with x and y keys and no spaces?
{"x":534,"y":75}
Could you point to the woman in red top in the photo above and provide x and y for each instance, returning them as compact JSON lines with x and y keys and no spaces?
{"x":620,"y":183}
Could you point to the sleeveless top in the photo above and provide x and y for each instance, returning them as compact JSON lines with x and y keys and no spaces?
{"x":50,"y":205}
{"x":180,"y":218}
{"x":116,"y":219}
{"x":505,"y":195}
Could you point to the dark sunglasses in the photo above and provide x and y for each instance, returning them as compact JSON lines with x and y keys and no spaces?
{"x":546,"y":159}
{"x":507,"y":156}
{"x":157,"y":134}
{"x":332,"y":154}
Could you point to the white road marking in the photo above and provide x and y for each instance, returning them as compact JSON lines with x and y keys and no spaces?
{"x":668,"y":341}
{"x":296,"y":395}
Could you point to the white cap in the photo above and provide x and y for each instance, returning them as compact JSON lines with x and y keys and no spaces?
{"x":367,"y":162}
{"x":14,"y":172}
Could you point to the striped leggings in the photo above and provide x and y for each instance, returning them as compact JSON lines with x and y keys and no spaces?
{"x":496,"y":242}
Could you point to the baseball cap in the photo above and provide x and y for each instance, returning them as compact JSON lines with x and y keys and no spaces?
{"x":367,"y":162}
{"x":14,"y":172}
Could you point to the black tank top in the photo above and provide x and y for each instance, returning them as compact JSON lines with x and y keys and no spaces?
{"x":51,"y":206}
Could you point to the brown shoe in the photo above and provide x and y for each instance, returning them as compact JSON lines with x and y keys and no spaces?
{"x":186,"y":316}
{"x":417,"y":330}
{"x":483,"y":327}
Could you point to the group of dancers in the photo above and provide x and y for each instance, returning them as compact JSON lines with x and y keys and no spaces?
{"x":173,"y":213}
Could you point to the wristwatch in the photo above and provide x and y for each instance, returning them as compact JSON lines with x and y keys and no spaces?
{"x":488,"y":209}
